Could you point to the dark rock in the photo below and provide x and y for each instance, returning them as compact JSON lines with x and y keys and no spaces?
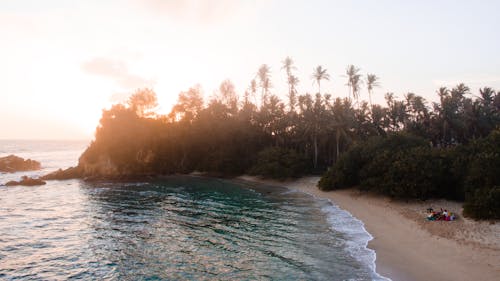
{"x":12,"y":163}
{"x":26,"y":181}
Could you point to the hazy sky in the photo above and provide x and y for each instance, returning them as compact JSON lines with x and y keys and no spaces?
{"x":62,"y":61}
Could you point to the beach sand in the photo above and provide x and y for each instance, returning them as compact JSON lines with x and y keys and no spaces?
{"x":410,"y":248}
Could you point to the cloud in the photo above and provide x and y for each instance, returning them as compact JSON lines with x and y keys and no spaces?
{"x":116,"y":70}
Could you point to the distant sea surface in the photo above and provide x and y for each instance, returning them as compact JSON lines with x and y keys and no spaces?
{"x":176,"y":228}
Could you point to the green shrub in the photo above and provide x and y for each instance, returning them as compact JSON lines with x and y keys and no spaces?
{"x":365,"y":162}
{"x":482,"y":184}
{"x":420,"y":172}
{"x":345,"y":172}
{"x":483,"y":203}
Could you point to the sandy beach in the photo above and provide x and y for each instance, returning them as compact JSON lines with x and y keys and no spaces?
{"x":410,"y":248}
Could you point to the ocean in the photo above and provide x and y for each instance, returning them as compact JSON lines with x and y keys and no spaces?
{"x":173,"y":228}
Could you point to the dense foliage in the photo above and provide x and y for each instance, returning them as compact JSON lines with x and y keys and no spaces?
{"x":407,"y":148}
{"x":403,"y":166}
{"x":279,"y":163}
{"x":482,"y":181}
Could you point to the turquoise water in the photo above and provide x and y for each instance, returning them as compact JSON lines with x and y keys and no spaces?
{"x":176,"y":228}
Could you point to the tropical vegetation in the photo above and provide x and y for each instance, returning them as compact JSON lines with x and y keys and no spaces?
{"x":407,"y":148}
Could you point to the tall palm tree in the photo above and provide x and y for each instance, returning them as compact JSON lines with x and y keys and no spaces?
{"x":264,"y":75}
{"x":372,"y":81}
{"x":343,"y":119}
{"x":353,"y":81}
{"x":459,"y":91}
{"x":356,"y":88}
{"x":417,"y":107}
{"x":292,"y":81}
{"x":442,"y":111}
{"x":288,"y":65}
{"x":313,"y":111}
{"x":442,"y":93}
{"x":253,"y":89}
{"x":487,"y":95}
{"x":380,"y":119}
{"x":320,"y":73}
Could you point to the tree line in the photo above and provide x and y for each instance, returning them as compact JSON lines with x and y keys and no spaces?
{"x":259,"y":133}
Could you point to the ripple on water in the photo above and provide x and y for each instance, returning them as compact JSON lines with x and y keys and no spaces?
{"x":181,"y":228}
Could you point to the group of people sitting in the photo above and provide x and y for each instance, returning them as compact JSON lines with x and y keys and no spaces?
{"x":438,"y":216}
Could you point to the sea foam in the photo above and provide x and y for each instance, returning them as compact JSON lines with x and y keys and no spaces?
{"x":356,"y":236}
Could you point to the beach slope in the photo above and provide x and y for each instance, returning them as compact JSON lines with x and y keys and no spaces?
{"x":409,"y":247}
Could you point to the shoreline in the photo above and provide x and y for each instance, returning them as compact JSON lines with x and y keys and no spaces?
{"x":407,"y":246}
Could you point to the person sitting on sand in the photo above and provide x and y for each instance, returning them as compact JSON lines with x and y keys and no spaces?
{"x":430,"y":212}
{"x":452,"y":216}
{"x":432,"y":215}
{"x":443,"y":215}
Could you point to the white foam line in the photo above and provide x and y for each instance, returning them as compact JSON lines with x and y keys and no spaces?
{"x":371,"y":251}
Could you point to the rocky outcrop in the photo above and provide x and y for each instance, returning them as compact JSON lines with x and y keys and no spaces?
{"x":12,"y":163}
{"x":100,"y":166}
{"x":70,"y":173}
{"x":101,"y":169}
{"x":26,"y":181}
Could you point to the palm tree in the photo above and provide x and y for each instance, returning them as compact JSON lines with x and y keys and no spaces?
{"x":292,"y":81}
{"x":288,"y":65}
{"x":396,"y":112}
{"x":379,"y":117}
{"x":451,"y":113}
{"x":343,"y":118}
{"x":264,"y":76}
{"x":312,"y":112}
{"x":353,"y":81}
{"x":371,"y":82}
{"x":356,"y":88}
{"x":487,"y":95}
{"x":320,"y":73}
{"x":443,"y":94}
{"x":253,"y":89}
{"x":460,"y":91}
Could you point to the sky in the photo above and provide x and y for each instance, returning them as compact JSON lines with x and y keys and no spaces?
{"x":63,"y":61}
